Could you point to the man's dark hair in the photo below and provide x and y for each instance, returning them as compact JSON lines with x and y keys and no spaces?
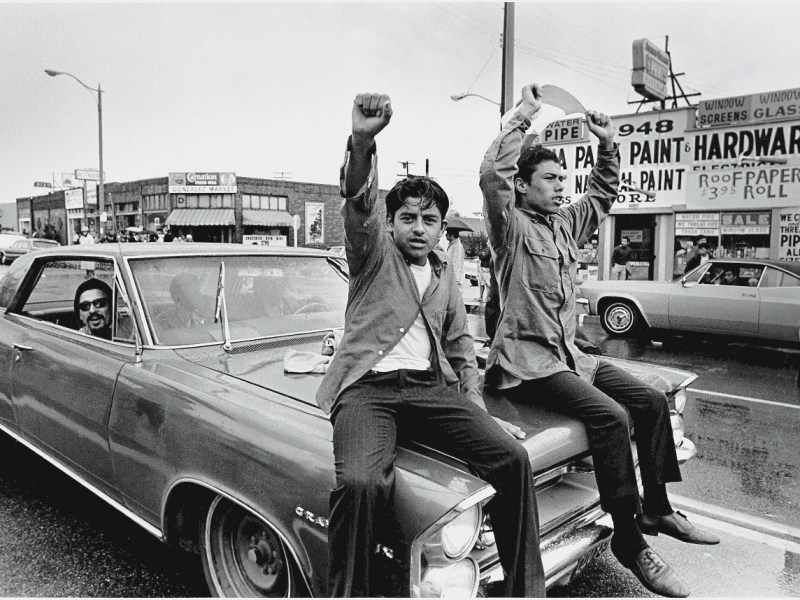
{"x":625,"y":237}
{"x":425,"y":188}
{"x":530,"y":159}
{"x":91,"y":284}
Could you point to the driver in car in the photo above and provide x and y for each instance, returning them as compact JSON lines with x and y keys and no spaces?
{"x":184,"y":313}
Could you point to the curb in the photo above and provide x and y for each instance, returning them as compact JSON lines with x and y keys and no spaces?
{"x":733,"y":517}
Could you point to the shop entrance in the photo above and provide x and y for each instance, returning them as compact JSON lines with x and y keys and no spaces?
{"x":640,"y":230}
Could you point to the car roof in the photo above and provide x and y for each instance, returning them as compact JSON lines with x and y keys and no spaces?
{"x":153,"y":249}
{"x":786,"y":265}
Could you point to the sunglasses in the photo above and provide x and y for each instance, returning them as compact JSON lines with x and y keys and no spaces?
{"x":97,"y":303}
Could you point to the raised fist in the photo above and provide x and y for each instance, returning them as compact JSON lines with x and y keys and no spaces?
{"x":371,"y":113}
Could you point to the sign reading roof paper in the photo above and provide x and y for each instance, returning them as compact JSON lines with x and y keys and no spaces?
{"x":202,"y":182}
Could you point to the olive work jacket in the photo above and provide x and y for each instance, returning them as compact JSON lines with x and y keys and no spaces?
{"x":383,"y":303}
{"x":535,"y":258}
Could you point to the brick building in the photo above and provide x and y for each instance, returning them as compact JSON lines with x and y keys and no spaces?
{"x":212,"y":207}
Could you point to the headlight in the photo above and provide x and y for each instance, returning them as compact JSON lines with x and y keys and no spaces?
{"x":440,"y":566}
{"x":458,"y":580}
{"x":459,"y":535}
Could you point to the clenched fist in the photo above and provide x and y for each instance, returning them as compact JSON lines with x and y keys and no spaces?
{"x":371,"y":113}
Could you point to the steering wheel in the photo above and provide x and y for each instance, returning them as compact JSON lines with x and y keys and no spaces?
{"x":312,"y":307}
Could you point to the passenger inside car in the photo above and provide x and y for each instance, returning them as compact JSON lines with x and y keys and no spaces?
{"x":272,"y":298}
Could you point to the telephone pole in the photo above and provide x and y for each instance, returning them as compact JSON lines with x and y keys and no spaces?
{"x":507,"y":85}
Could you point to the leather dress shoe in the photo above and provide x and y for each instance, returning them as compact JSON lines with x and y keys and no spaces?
{"x":677,"y":526}
{"x":655,"y":574}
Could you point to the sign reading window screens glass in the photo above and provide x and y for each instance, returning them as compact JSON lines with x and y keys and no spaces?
{"x":315,"y":222}
{"x":697,"y":224}
{"x":745,"y":223}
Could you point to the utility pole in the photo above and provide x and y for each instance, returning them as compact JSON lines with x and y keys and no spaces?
{"x":404,"y":165}
{"x":507,"y":86}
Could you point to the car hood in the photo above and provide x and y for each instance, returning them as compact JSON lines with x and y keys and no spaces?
{"x":551,"y":439}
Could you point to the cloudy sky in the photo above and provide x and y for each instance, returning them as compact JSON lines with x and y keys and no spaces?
{"x":265,"y":89}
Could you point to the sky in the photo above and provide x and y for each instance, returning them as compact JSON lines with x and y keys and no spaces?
{"x":266,"y":89}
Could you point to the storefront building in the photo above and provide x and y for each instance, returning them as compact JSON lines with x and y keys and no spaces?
{"x":727,"y":170}
{"x":209,"y":206}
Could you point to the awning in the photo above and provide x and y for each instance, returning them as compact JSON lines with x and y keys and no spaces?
{"x":224,"y":216}
{"x":267,"y":218}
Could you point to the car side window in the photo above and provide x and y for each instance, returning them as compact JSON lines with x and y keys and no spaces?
{"x":52,"y":297}
{"x":774,"y":278}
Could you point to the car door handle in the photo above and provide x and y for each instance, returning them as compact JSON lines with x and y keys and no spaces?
{"x":22,"y":347}
{"x":749,"y":295}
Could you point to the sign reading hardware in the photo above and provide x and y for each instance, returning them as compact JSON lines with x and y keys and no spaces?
{"x":202,"y":183}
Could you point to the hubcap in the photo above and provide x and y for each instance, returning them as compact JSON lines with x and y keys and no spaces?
{"x":619,"y":318}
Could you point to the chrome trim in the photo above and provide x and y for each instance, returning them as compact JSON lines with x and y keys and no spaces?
{"x":479,"y":496}
{"x":151,"y":529}
{"x":227,"y":496}
{"x":73,"y":333}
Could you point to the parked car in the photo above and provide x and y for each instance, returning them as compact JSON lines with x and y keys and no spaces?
{"x":7,"y":239}
{"x":759,"y":301}
{"x":194,"y":430}
{"x":24,"y":246}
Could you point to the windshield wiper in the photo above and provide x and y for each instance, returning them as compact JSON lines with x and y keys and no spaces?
{"x":221,"y":309}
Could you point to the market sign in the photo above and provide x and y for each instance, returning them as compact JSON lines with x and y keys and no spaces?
{"x":195,"y":182}
{"x":753,"y":187}
{"x":789,"y":234}
{"x":650,"y":70}
{"x":755,"y":108}
{"x":697,"y":224}
{"x":73,"y":198}
{"x":745,"y":223}
{"x":655,"y":157}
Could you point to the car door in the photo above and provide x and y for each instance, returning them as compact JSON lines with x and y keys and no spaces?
{"x":779,"y":314}
{"x":707,"y":307}
{"x":61,"y":380}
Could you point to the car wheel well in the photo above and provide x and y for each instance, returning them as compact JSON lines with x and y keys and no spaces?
{"x":186,"y":507}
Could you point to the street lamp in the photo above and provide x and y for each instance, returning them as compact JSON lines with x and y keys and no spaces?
{"x":457,"y":97}
{"x":99,"y":100}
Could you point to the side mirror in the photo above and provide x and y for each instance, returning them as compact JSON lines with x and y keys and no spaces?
{"x":688,"y":284}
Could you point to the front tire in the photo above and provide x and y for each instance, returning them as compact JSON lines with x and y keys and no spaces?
{"x":243,"y":556}
{"x":619,"y":318}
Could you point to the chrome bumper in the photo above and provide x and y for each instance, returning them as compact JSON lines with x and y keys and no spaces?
{"x":565,"y":552}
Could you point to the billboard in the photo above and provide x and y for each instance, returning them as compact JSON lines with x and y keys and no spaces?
{"x":751,"y":187}
{"x":202,"y":182}
{"x":650,"y":70}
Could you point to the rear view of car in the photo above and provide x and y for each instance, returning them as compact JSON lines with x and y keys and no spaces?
{"x":6,"y":241}
{"x":26,"y":245}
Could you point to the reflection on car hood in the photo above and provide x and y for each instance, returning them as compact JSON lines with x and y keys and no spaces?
{"x":551,"y":438}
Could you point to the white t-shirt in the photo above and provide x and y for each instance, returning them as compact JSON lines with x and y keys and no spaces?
{"x":413,"y":351}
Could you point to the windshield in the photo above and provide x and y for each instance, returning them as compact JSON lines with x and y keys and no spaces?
{"x":265,"y":296}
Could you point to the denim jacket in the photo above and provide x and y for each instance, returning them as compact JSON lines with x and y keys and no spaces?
{"x":535,"y":258}
{"x":383,"y":303}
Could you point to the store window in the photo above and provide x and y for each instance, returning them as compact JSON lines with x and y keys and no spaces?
{"x":690,"y":230}
{"x":744,"y":235}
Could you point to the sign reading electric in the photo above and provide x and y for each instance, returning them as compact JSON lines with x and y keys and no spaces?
{"x":202,"y":183}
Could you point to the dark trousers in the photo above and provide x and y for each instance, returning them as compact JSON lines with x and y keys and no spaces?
{"x":366,"y":419}
{"x":600,"y":407}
